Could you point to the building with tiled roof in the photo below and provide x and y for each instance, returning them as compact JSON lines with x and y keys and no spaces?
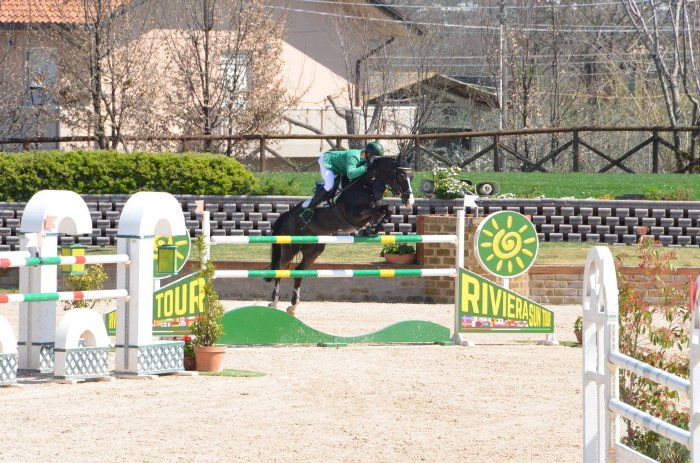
{"x":313,"y":68}
{"x":40,"y":12}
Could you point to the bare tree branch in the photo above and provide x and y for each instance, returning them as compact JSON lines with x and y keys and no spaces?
{"x":311,"y":128}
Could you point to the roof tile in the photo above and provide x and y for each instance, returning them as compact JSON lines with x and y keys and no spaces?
{"x":43,"y":11}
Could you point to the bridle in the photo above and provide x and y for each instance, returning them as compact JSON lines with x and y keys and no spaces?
{"x":406,"y":171}
{"x":399,"y":190}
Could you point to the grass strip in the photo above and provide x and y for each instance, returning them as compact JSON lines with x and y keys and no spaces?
{"x":368,"y":253}
{"x":580,"y":185}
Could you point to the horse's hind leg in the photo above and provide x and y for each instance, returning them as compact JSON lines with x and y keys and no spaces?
{"x":287,"y":253}
{"x":291,"y":310}
{"x":275,"y":294}
{"x":310,"y":253}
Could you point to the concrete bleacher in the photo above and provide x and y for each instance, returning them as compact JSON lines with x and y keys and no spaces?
{"x":557,"y":220}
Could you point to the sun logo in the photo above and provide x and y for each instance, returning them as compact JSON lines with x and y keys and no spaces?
{"x":506,"y":244}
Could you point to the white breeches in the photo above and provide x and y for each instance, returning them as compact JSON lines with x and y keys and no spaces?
{"x":327,"y":175}
{"x":328,"y":179}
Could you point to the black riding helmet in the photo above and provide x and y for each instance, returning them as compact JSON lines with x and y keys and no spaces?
{"x":374,"y":149}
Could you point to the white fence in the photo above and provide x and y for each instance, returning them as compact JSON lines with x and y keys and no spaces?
{"x":602,"y":407}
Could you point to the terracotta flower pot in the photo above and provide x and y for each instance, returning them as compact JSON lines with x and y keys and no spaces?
{"x":190,"y":363}
{"x":210,"y":358}
{"x":579,"y":336}
{"x":400,"y":258}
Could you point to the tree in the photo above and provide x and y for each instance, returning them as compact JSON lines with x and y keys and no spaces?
{"x":106,"y":73}
{"x":665,"y":29}
{"x":14,"y":120}
{"x":380,"y":56}
{"x":224,"y":57}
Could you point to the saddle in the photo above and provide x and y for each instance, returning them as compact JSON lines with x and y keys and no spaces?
{"x":341,"y":183}
{"x":339,"y":186}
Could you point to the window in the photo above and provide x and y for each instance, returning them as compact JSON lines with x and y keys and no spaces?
{"x":235,"y":71}
{"x":42,"y":72}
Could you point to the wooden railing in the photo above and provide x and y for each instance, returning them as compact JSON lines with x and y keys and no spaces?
{"x":577,"y":149}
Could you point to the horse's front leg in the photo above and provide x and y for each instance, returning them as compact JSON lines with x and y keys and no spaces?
{"x":275,"y":294}
{"x":385,"y":218}
{"x":382,"y":216}
{"x":296,"y":297}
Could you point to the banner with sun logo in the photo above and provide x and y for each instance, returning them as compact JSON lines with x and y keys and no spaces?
{"x":506,"y":243}
{"x":483,"y":305}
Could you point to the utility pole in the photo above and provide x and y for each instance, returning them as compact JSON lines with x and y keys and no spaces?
{"x":502,"y":51}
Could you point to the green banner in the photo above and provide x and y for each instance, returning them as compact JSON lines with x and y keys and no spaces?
{"x":506,"y":243}
{"x":485,"y":306}
{"x":174,"y":306}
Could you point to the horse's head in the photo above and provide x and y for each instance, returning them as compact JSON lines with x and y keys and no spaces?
{"x":394,"y":172}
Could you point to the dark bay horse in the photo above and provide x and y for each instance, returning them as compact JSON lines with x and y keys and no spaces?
{"x":358,"y":205}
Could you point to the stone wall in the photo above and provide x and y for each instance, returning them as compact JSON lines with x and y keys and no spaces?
{"x":556,"y":285}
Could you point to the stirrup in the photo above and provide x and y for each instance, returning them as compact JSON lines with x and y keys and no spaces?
{"x":306,"y":215}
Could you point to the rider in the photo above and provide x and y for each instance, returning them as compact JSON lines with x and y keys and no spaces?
{"x":352,"y":163}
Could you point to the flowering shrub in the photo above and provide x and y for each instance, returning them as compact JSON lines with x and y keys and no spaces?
{"x":655,"y":334}
{"x":93,"y":279}
{"x":578,"y":324}
{"x":397,"y":248}
{"x":189,"y":346}
{"x":447,"y":183}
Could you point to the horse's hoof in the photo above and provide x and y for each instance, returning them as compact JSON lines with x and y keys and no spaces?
{"x":291,"y":310}
{"x":272,"y":304}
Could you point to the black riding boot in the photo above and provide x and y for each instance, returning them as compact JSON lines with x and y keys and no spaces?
{"x":319,"y":195}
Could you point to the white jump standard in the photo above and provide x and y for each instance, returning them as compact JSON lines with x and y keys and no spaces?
{"x":602,"y":407}
{"x":145,"y":215}
{"x":48,"y":214}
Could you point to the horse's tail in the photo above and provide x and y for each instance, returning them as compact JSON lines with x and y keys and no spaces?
{"x":276,"y":248}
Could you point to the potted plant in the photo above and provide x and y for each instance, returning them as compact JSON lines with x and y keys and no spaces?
{"x":578,"y":328}
{"x":399,"y":253}
{"x":189,"y":360}
{"x":207,"y":327}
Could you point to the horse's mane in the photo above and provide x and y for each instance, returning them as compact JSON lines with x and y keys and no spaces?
{"x":385,"y":164}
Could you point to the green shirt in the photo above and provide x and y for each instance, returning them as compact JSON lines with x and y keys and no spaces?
{"x":345,"y":162}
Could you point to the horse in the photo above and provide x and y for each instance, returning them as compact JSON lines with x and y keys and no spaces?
{"x":358,"y":206}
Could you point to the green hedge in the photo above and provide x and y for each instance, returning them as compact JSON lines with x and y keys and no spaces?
{"x":104,"y":172}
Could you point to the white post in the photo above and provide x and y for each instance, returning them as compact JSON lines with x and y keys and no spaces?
{"x":694,"y":377}
{"x":461,"y":224}
{"x":459,"y":263}
{"x":37,"y":320}
{"x":206,"y":231}
{"x":600,"y":319}
{"x":135,"y":313}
